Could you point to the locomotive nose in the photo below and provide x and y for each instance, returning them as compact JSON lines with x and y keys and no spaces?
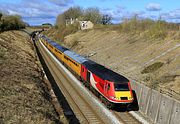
{"x":123,"y":95}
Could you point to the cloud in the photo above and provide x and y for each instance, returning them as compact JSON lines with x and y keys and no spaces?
{"x":120,"y":13}
{"x":153,"y":7}
{"x":171,"y":16}
{"x":34,"y":10}
{"x":62,"y":2}
{"x":39,"y":21}
{"x":40,"y":11}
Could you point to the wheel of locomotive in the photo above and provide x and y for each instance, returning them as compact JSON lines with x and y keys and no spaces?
{"x":91,"y":89}
{"x":101,"y":98}
{"x":80,"y":78}
{"x":96,"y":93}
{"x":88,"y":86}
{"x":108,"y":104}
{"x":83,"y":82}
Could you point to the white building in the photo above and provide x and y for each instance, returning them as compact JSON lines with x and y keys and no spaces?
{"x":86,"y":25}
{"x":71,"y":21}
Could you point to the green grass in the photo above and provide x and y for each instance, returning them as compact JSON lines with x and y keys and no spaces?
{"x":151,"y":68}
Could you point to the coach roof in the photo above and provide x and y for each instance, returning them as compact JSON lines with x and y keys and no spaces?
{"x":78,"y":58}
{"x":61,"y":48}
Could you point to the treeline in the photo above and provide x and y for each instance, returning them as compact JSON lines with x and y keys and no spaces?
{"x":92,"y":14}
{"x":150,"y":28}
{"x":11,"y":22}
{"x":67,"y":22}
{"x":145,"y":27}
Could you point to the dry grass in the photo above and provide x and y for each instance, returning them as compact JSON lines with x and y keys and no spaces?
{"x":58,"y":33}
{"x":24,"y":98}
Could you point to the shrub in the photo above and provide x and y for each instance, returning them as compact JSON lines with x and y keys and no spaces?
{"x":11,"y":22}
{"x":153,"y":29}
{"x":151,"y":68}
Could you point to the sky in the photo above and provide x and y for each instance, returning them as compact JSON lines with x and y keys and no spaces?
{"x":37,"y":12}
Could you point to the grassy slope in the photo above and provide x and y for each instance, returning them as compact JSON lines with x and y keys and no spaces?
{"x":23,"y":96}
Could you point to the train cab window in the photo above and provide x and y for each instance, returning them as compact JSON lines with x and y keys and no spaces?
{"x":121,"y":87}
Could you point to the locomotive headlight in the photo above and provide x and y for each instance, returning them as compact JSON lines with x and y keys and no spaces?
{"x":130,"y":98}
{"x":112,"y":97}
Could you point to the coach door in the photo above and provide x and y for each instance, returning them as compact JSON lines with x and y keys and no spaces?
{"x":106,"y":88}
{"x":88,"y":76}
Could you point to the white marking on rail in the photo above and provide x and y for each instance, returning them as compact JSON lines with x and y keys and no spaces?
{"x":103,"y":109}
{"x":44,"y":74}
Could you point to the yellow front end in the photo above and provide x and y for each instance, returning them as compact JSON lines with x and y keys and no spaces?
{"x":124,"y":96}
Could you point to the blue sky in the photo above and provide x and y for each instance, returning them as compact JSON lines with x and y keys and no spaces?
{"x":36,"y":12}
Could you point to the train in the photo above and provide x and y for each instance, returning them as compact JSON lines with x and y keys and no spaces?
{"x":110,"y":87}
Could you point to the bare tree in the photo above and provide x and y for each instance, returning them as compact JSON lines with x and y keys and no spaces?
{"x":60,"y":20}
{"x":92,"y":14}
{"x":73,"y":12}
{"x":106,"y":19}
{"x":1,"y":16}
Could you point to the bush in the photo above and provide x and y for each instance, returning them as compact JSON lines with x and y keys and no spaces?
{"x":152,"y":68}
{"x":62,"y":31}
{"x":152,"y":29}
{"x":11,"y":22}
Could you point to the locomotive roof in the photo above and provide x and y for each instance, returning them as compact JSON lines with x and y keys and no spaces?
{"x":104,"y":72}
{"x":78,"y":58}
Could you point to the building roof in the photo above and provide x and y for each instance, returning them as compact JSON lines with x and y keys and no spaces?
{"x":78,"y":58}
{"x":104,"y":72}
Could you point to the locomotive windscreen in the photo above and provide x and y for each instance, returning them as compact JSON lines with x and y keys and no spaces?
{"x":121,"y":87}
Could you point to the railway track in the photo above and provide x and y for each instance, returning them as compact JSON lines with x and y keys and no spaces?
{"x":84,"y":110}
{"x":126,"y":118}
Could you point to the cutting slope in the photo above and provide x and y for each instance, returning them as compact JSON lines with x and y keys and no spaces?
{"x":154,"y":62}
{"x":23,"y":96}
